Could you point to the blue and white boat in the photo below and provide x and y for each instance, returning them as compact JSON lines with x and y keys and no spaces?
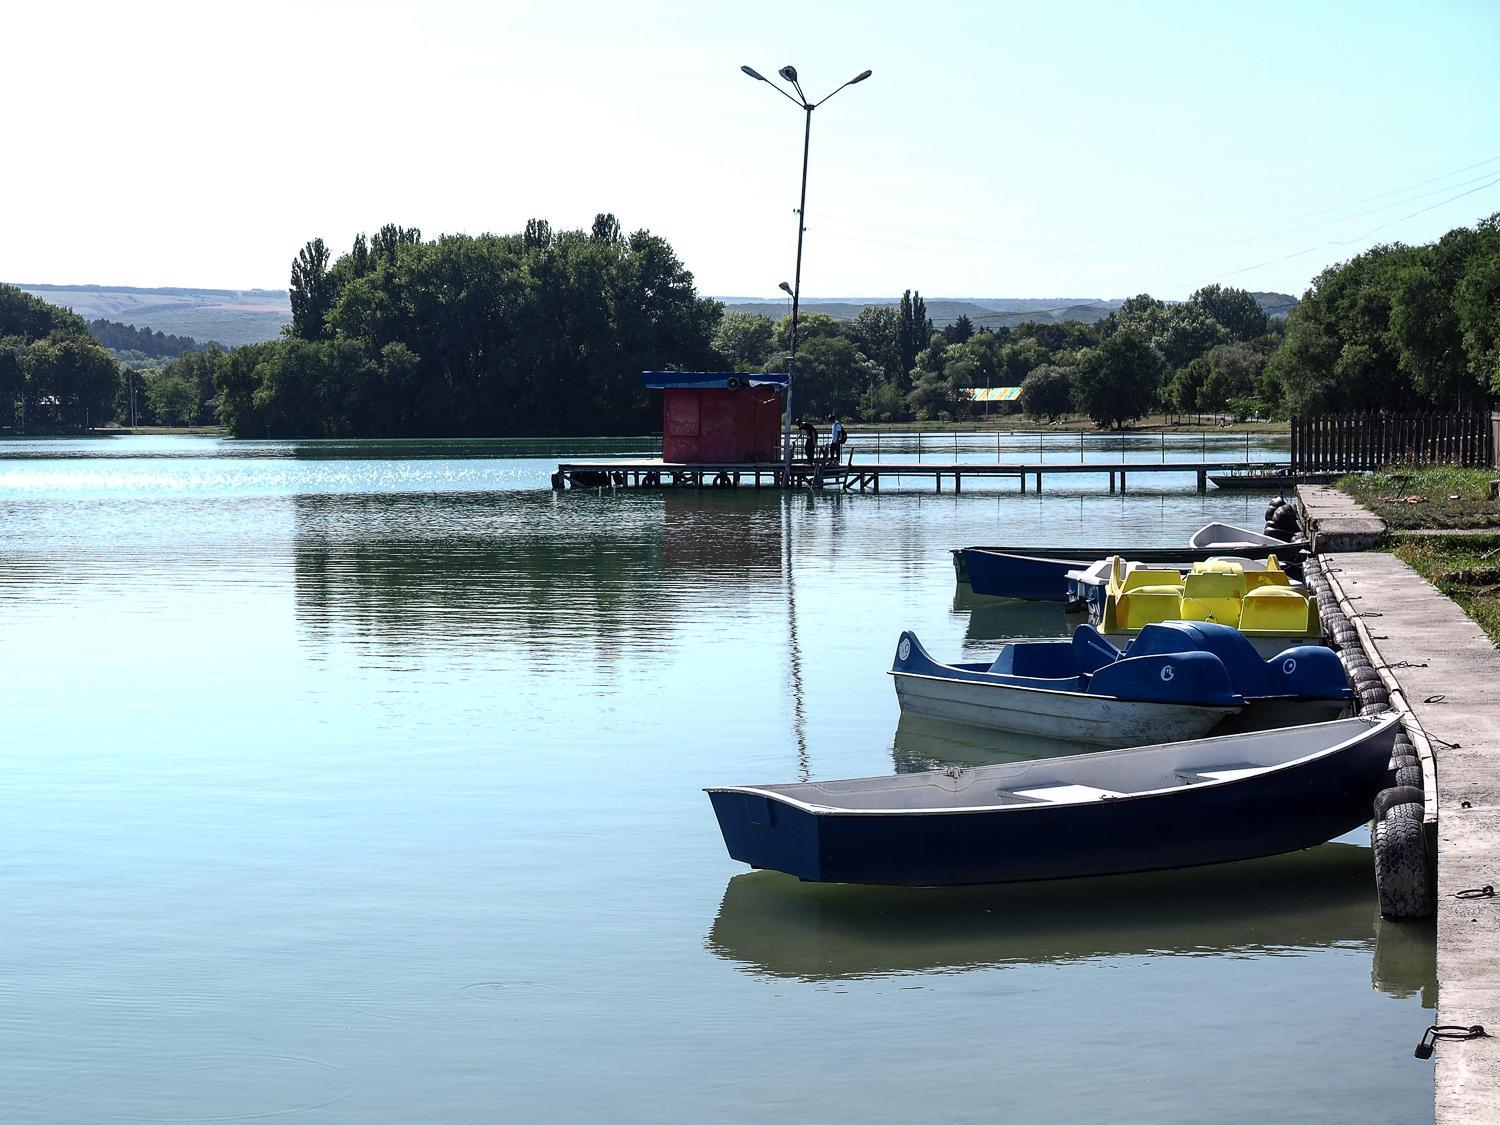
{"x":1149,"y":808}
{"x":1176,"y":680}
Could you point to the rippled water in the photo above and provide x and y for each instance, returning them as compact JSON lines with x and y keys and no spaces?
{"x":358,"y":782}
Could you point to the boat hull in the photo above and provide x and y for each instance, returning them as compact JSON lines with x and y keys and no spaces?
{"x":1073,"y":717}
{"x":1296,"y":806}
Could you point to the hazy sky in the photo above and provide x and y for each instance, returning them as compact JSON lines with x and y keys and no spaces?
{"x":1001,"y":149}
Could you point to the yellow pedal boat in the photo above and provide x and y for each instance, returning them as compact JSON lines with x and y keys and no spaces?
{"x":1262,"y":604}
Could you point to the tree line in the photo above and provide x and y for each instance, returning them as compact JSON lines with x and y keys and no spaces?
{"x":54,"y":375}
{"x":540,"y":332}
{"x":546,"y":332}
{"x":144,"y":341}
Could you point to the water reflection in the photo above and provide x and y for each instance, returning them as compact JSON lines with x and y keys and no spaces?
{"x":449,"y":568}
{"x":923,"y":743}
{"x":995,"y":620}
{"x":771,"y":924}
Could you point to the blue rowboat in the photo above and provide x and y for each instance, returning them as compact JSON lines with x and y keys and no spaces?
{"x":1178,"y":679}
{"x":1050,"y":691}
{"x":1040,"y":573}
{"x":1149,"y":808}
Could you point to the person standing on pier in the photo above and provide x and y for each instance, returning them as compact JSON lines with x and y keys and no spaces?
{"x":810,"y":439}
{"x":837,"y":435}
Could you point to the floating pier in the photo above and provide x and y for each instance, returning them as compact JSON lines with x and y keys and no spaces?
{"x":868,"y":476}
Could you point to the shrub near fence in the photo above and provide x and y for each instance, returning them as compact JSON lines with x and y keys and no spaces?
{"x":1350,"y":442}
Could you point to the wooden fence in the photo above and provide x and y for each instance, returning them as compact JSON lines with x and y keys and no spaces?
{"x":1349,"y":442}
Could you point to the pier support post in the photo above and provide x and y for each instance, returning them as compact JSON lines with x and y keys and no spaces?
{"x":958,"y":483}
{"x":1122,"y":482}
{"x":1111,"y":483}
{"x":1202,"y":481}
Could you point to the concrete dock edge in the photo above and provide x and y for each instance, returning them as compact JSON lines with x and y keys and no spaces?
{"x":1442,"y":667}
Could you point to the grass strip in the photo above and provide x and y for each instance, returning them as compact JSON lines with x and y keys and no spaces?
{"x":1433,"y":498}
{"x":1466,"y":568}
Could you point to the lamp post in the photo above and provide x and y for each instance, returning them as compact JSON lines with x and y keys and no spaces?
{"x":789,"y":75}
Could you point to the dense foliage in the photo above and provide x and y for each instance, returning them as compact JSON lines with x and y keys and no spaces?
{"x":53,"y":373}
{"x":539,"y":332}
{"x":542,"y":332}
{"x":147,"y":342}
{"x":1399,"y":327}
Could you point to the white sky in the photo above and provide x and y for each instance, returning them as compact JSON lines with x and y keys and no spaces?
{"x":1001,"y":149}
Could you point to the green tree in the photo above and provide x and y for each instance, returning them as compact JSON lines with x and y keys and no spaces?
{"x":960,"y":330}
{"x":1047,"y":392}
{"x":744,"y":340}
{"x":312,"y":291}
{"x":172,"y":398}
{"x":1187,"y":331}
{"x":832,"y":377}
{"x":1116,"y":382}
{"x":1181,"y":393}
{"x":12,"y":379}
{"x":1217,"y":389}
{"x":1237,"y":311}
{"x":913,"y":330}
{"x":875,"y":333}
{"x":810,"y":326}
{"x":1340,"y":352}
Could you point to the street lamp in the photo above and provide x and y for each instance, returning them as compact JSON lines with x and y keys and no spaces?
{"x":789,"y":75}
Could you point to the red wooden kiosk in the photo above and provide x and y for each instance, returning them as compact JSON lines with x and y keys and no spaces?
{"x":719,"y":417}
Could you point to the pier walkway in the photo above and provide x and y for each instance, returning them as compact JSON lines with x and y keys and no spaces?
{"x":1447,"y":672}
{"x":865,"y":476}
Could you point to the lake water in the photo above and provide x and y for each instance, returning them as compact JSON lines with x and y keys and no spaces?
{"x":356,"y":782}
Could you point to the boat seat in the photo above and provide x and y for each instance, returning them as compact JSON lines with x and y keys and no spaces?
{"x":1221,"y":773}
{"x":1135,"y":579}
{"x":1146,"y":605}
{"x":1275,"y":609}
{"x":1068,"y":793}
{"x":1213,"y":596}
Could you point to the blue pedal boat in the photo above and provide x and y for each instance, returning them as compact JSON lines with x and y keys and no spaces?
{"x":1071,"y":692}
{"x":1148,"y":808}
{"x":1177,"y":680}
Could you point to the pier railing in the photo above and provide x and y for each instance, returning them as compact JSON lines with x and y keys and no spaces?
{"x":1352,"y":442}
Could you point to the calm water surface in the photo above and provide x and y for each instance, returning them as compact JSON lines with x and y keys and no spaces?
{"x":362,"y":783}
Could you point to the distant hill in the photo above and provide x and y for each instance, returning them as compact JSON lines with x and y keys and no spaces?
{"x":985,"y":312}
{"x":228,"y":316}
{"x":245,"y":316}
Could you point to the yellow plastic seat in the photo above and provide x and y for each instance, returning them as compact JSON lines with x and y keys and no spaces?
{"x":1136,"y":579}
{"x":1213,"y":596}
{"x":1277,"y":609}
{"x":1254,"y":579}
{"x":1146,"y":605}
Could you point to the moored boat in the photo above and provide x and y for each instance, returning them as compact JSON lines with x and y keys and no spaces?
{"x":1148,"y":808}
{"x":1042,"y":690}
{"x":1087,"y":587}
{"x":1262,"y":605}
{"x":1040,"y":573}
{"x":1176,"y":680}
{"x":1226,"y":537}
